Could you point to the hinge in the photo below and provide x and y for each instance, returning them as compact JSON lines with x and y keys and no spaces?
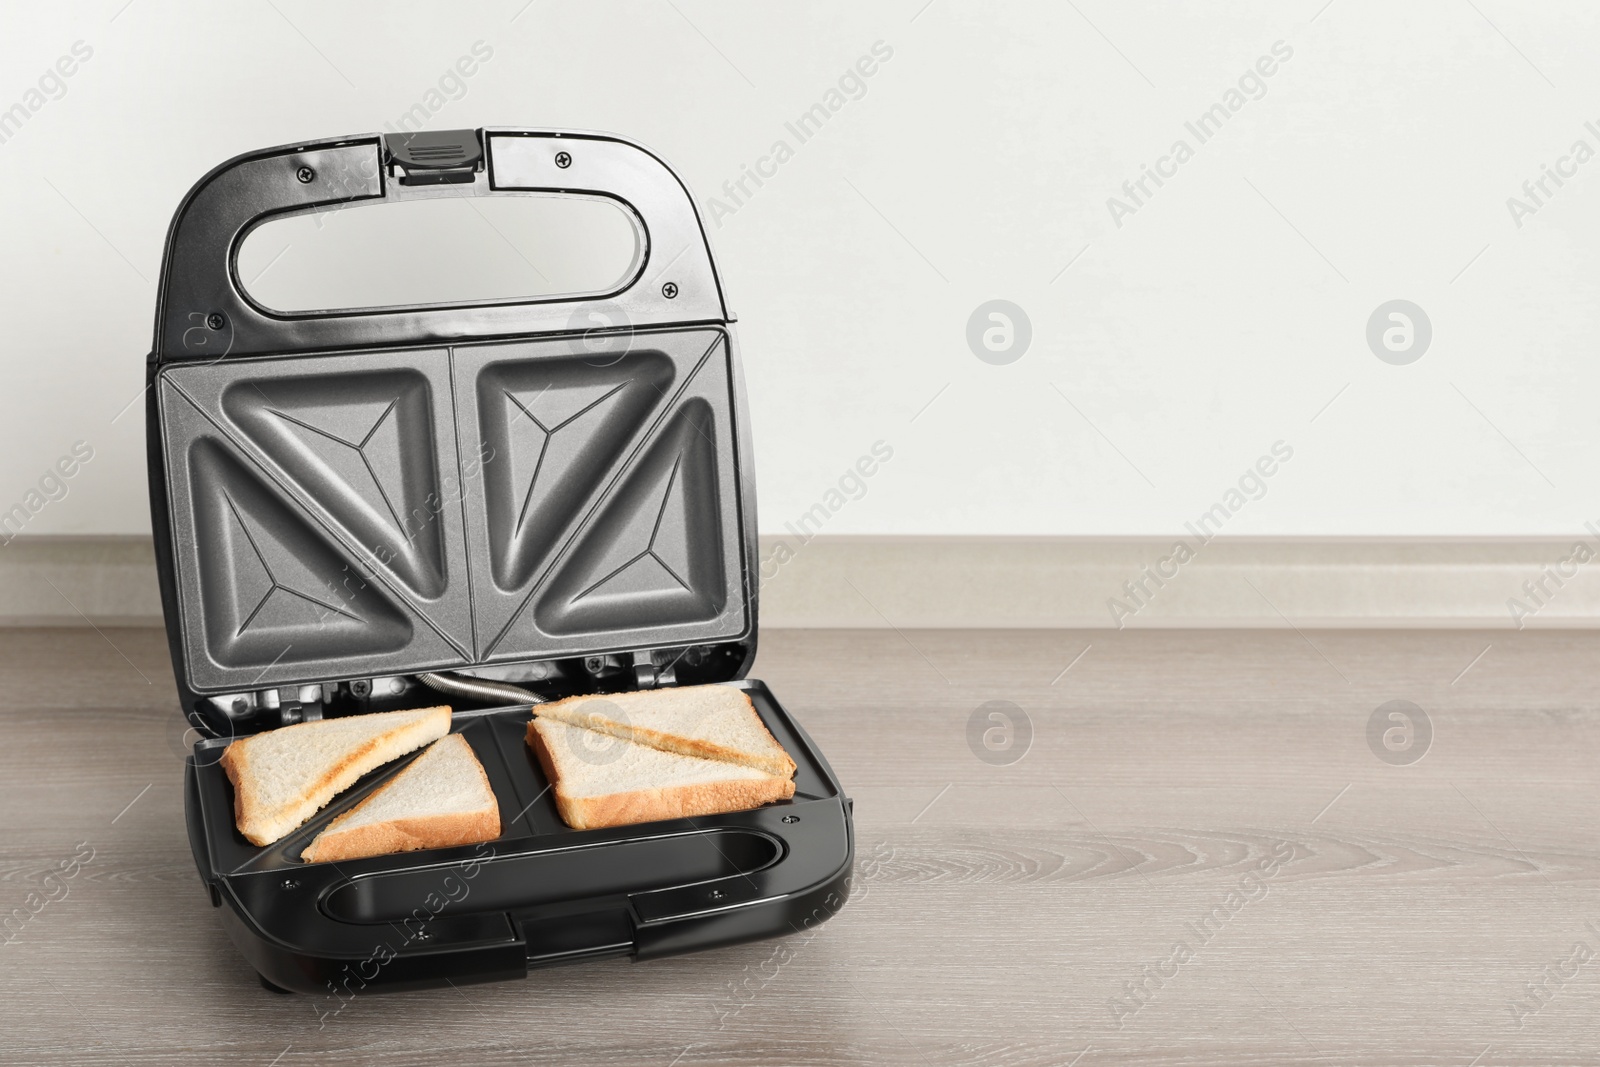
{"x":649,"y":676}
{"x":268,"y":708}
{"x":300,"y":703}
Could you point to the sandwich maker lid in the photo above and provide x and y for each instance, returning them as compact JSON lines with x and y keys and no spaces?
{"x":378,"y":492}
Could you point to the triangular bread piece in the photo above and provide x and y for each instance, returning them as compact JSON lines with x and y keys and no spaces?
{"x":283,"y":777}
{"x":601,"y":780}
{"x":707,"y":721}
{"x":443,"y":798}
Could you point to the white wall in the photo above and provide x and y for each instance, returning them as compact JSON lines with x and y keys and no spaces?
{"x":1221,"y":317}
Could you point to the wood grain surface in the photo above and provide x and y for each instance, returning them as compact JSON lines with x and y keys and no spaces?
{"x":1100,"y":900}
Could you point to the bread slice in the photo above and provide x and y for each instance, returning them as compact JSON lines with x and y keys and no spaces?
{"x":283,"y":777}
{"x":637,"y":783}
{"x":443,"y":798}
{"x":707,"y":721}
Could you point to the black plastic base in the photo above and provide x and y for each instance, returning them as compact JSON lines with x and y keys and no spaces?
{"x":540,"y":895}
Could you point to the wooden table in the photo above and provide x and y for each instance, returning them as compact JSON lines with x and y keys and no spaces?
{"x":1028,"y":912}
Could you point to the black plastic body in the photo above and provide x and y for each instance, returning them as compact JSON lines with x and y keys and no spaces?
{"x":541,"y":893}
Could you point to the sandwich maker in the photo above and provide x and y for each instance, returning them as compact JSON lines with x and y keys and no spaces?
{"x":518,"y":499}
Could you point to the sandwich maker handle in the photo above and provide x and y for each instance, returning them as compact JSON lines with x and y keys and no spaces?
{"x":203,"y":312}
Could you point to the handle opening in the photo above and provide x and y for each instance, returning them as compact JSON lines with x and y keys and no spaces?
{"x":441,"y":251}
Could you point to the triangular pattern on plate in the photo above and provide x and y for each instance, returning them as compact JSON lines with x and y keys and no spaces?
{"x":274,"y":592}
{"x":552,"y":429}
{"x":362,"y":446}
{"x":653,"y":556}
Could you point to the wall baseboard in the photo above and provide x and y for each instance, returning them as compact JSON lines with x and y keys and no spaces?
{"x":931,"y":582}
{"x":75,"y":581}
{"x":1136,"y":582}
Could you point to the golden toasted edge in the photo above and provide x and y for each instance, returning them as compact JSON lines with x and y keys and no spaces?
{"x":264,"y":828}
{"x":546,"y":756}
{"x":246,"y":811}
{"x":407,"y":835}
{"x":676,"y":802}
{"x":651,"y":805}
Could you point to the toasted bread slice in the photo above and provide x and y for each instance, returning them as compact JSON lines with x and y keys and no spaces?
{"x":707,"y":721}
{"x":283,"y":777}
{"x":600,"y":780}
{"x":443,"y":798}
